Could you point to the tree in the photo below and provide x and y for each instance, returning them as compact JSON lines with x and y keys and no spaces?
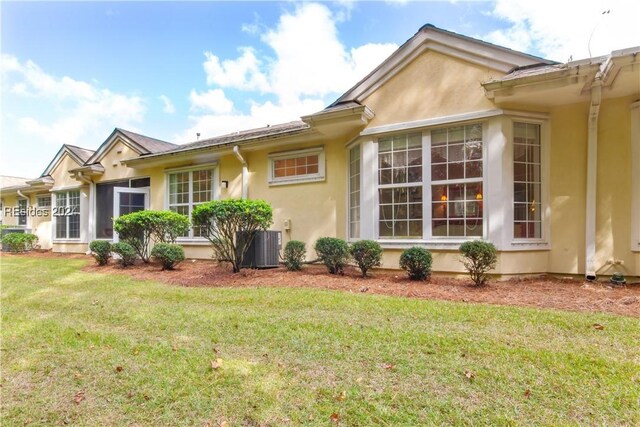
{"x":230,"y":226}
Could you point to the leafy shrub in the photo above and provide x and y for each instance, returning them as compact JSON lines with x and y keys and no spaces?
{"x":294,"y":254}
{"x":230,"y":226}
{"x":19,"y":242}
{"x":168,"y":254}
{"x":417,"y":262}
{"x":139,"y":228}
{"x":478,"y":258}
{"x":127,"y":253}
{"x":101,"y":251}
{"x":367,"y":254}
{"x":333,"y":252}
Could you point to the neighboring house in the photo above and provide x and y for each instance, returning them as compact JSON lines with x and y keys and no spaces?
{"x":449,"y":139}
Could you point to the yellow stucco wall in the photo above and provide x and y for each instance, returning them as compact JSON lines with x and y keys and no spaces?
{"x":433,"y":85}
{"x":316,"y":209}
{"x":9,"y":201}
{"x":60,"y":173}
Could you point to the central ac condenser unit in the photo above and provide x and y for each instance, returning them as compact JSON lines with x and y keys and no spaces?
{"x":264,"y":251}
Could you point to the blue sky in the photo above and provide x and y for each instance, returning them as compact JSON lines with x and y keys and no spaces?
{"x":73,"y":71}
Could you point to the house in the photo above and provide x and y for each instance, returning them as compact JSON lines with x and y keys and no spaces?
{"x":449,"y":139}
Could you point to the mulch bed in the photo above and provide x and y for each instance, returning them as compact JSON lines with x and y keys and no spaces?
{"x":541,"y":292}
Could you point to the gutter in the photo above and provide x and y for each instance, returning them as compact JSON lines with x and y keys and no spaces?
{"x":592,"y":174}
{"x":245,"y":171}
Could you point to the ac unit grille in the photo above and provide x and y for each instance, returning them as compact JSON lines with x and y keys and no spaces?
{"x":264,"y":251}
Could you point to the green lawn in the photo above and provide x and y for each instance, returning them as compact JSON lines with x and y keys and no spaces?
{"x":90,"y":349}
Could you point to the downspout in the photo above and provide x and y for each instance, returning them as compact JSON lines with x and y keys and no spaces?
{"x":592,"y":164}
{"x":92,"y":199}
{"x":245,"y":171}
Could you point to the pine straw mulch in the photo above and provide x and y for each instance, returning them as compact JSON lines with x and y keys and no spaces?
{"x":541,"y":292}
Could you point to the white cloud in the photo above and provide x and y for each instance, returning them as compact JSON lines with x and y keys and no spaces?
{"x":560,"y":29}
{"x":168,"y":106}
{"x":242,"y":73}
{"x":78,"y":109}
{"x":213,"y":101}
{"x":309,"y":67}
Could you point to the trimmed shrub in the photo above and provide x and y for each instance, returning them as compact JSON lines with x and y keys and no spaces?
{"x":139,"y":228}
{"x":230,"y":226}
{"x":101,"y":251}
{"x":294,"y":254}
{"x":367,"y":254}
{"x":417,"y":262}
{"x":168,"y":254}
{"x":478,"y":258}
{"x":127,"y":253}
{"x":333,"y":252}
{"x":19,"y":242}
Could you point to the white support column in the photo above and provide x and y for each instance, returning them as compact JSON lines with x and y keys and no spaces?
{"x":368,"y":190}
{"x":498,"y":187}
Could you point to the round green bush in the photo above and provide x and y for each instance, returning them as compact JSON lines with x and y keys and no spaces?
{"x":478,"y":258}
{"x":101,"y":251}
{"x":168,"y":254}
{"x":367,"y":254}
{"x":19,"y":242}
{"x":417,"y":262}
{"x":294,"y":254}
{"x":127,"y":254}
{"x":333,"y":252}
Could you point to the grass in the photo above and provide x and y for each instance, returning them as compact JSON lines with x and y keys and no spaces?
{"x":92,"y":349}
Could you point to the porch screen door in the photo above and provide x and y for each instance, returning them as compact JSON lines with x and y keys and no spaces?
{"x":127,"y":200}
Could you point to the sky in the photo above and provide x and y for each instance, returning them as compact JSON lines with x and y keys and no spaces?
{"x":71,"y":72}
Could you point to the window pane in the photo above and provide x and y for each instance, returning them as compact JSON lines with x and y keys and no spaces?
{"x":457,"y":210}
{"x":527,"y":207}
{"x":354,"y":192}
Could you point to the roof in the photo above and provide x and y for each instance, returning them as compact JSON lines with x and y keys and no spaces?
{"x":245,"y":136}
{"x":430,"y":37}
{"x":82,"y":153}
{"x":151,"y":145}
{"x":13,"y":182}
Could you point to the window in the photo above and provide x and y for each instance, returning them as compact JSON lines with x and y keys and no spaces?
{"x":67,"y":215}
{"x":456,"y":178}
{"x":527,"y":182}
{"x":297,"y":166}
{"x":188,"y":189}
{"x":400,"y":186}
{"x":354,"y":192}
{"x":22,"y":212}
{"x":44,"y":202}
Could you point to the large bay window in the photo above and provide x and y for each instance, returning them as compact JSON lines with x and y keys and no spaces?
{"x":400,"y":186}
{"x":527,"y":181}
{"x":188,"y":189}
{"x":67,"y":215}
{"x":456,"y":178}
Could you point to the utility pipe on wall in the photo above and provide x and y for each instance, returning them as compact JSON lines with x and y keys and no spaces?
{"x":592,"y":164}
{"x":245,"y":171}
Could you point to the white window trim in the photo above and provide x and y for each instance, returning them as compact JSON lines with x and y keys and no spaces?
{"x":635,"y":176}
{"x":348,"y":204}
{"x":543,"y":242}
{"x":215,"y":189}
{"x":54,"y":201}
{"x":316,"y":177}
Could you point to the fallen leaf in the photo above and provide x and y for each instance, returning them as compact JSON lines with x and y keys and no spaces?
{"x":216,"y":350}
{"x":79,"y":397}
{"x":174,"y":348}
{"x":342,"y":396}
{"x":598,"y":326}
{"x":527,"y":393}
{"x":216,"y":364}
{"x":335,"y":417}
{"x":94,"y":302}
{"x":118,"y":368}
{"x":130,"y":394}
{"x":223,"y":424}
{"x":364,"y":289}
{"x":469,"y":374}
{"x":388,"y":365}
{"x":145,"y":397}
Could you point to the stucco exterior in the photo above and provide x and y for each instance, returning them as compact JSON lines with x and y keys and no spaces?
{"x":584,"y":112}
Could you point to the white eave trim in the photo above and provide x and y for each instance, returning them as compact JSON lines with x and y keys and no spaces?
{"x":454,"y":118}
